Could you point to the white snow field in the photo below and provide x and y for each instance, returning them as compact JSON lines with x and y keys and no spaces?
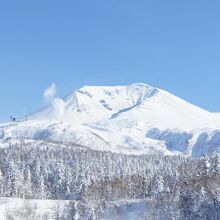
{"x":20,"y":209}
{"x":132,"y":119}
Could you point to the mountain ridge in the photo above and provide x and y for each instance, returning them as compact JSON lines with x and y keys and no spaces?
{"x":136,"y":118}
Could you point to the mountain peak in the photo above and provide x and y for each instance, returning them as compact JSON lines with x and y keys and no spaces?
{"x":108,"y":99}
{"x":132,"y":118}
{"x":133,"y":86}
{"x":135,"y":91}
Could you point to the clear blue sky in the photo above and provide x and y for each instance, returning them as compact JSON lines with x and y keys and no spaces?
{"x":174,"y":45}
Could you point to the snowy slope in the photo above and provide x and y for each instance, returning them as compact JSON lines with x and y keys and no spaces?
{"x":128,"y":119}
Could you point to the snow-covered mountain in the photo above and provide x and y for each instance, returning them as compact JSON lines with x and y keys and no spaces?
{"x":135,"y":119}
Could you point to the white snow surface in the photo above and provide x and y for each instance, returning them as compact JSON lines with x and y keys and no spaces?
{"x":19,"y":209}
{"x":132,"y":119}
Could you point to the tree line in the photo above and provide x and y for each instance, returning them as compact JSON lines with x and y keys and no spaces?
{"x":177,"y":187}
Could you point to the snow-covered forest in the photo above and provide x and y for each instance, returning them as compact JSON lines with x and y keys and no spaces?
{"x":175,"y":187}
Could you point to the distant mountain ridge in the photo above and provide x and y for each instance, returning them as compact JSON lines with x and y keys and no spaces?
{"x":134,"y":119}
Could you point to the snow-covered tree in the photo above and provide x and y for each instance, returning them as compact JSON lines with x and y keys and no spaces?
{"x":57,"y":178}
{"x":159,"y":186}
{"x":12,"y":180}
{"x":204,"y":165}
{"x":41,"y":188}
{"x":187,"y":204}
{"x":215,"y":169}
{"x":27,"y":182}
